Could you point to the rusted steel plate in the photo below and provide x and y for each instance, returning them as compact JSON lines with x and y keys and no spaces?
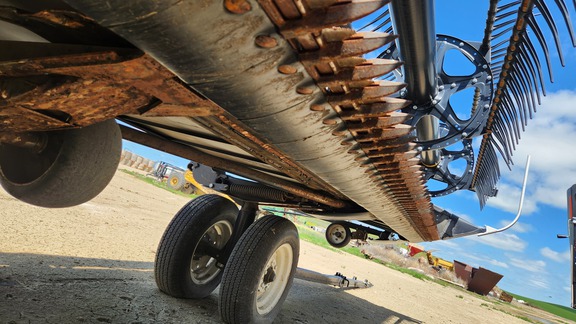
{"x":97,"y":86}
{"x":17,"y":119}
{"x":271,"y":105}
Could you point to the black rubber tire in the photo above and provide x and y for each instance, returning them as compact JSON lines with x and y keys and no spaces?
{"x":245,"y":269}
{"x":172,"y":267}
{"x":176,"y":180}
{"x":347,"y":233}
{"x":74,"y":166}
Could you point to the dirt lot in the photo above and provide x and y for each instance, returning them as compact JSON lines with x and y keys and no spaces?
{"x":94,"y":264}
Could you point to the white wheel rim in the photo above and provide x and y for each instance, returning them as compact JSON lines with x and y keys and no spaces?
{"x":203,"y":268}
{"x":337,"y":234}
{"x":274,"y":279}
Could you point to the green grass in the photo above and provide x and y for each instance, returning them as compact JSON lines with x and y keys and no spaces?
{"x":156,"y":183}
{"x":309,"y":235}
{"x":562,"y":311}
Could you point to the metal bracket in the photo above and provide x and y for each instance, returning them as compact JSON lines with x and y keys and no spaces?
{"x":338,"y":279}
{"x":208,"y":176}
{"x":451,"y":226}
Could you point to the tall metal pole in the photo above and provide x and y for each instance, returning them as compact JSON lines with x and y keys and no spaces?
{"x":415,"y":25}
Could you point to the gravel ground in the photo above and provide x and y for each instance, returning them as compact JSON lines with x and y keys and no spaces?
{"x":94,"y":264}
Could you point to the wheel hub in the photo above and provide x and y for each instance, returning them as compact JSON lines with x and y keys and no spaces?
{"x":204,"y":267}
{"x":338,"y":234}
{"x":274,"y":279}
{"x":269,"y":276}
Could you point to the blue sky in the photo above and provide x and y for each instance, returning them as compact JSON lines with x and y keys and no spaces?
{"x":533,"y":261}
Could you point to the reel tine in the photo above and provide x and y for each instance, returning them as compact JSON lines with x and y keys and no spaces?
{"x":513,"y":116}
{"x":566,"y":15}
{"x":534,"y":55}
{"x":504,"y":24}
{"x":528,"y":80}
{"x":523,"y":89}
{"x":509,"y":5}
{"x":375,"y":20}
{"x":528,"y":63}
{"x":538,"y":32}
{"x":541,"y":5}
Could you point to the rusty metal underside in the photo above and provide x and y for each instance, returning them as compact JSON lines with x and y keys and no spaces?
{"x":304,"y":114}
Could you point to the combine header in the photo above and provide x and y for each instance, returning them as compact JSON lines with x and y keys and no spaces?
{"x":337,"y":108}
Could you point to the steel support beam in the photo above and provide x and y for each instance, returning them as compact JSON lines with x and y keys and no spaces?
{"x":414,"y":23}
{"x":195,"y":155}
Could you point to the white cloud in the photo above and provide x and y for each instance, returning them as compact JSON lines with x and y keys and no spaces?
{"x":502,"y":241}
{"x":483,"y":260}
{"x":568,"y":289}
{"x":555,"y":256}
{"x":519,"y":227}
{"x":498,"y":263}
{"x":508,"y":198}
{"x":536,"y":266}
{"x":553,"y":166}
{"x":539,"y":283}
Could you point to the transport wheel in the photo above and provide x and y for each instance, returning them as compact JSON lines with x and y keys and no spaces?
{"x":176,"y":180}
{"x":68,"y":168}
{"x":260,"y":271}
{"x":338,"y":235}
{"x":184,"y":267}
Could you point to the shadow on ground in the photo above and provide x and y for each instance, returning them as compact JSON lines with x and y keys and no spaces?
{"x":57,"y":289}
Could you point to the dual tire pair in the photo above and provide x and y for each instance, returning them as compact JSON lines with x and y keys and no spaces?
{"x":258,"y":274}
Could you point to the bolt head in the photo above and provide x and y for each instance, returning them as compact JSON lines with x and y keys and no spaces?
{"x":266,"y":41}
{"x":287,"y":69}
{"x":304,"y":90}
{"x":237,"y":6}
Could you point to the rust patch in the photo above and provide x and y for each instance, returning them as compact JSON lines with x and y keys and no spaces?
{"x":331,"y":56}
{"x":92,"y":87}
{"x":266,"y":41}
{"x":237,"y":6}
{"x":287,"y":69}
{"x":304,"y":90}
{"x":59,"y":18}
